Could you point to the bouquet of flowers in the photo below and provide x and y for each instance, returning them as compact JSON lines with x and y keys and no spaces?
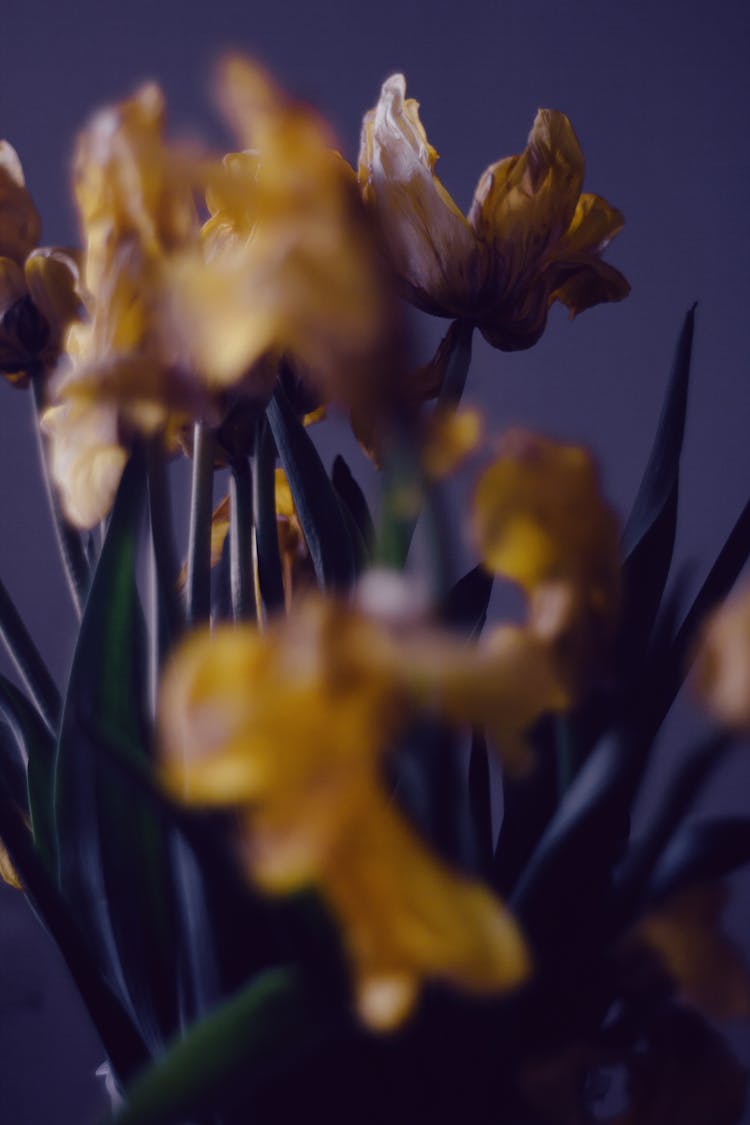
{"x":313,"y":832}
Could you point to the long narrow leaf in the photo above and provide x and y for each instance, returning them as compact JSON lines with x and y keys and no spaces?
{"x":28,"y":661}
{"x":122,"y":1042}
{"x":350,"y":492}
{"x":648,"y":538}
{"x":266,"y":530}
{"x":708,"y":850}
{"x":112,"y":848}
{"x":38,"y":749}
{"x":323,"y":524}
{"x":465,"y":605}
{"x":250,"y":1038}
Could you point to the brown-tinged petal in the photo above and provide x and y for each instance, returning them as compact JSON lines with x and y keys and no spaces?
{"x":429,"y":242}
{"x":52,"y":280}
{"x":524,"y":205}
{"x":705,"y":965}
{"x":8,"y":872}
{"x":581,"y":283}
{"x":593,"y":226}
{"x":20,"y":225}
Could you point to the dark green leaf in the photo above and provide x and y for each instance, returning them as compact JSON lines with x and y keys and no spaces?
{"x":29,"y":663}
{"x":266,"y":530}
{"x":676,"y":799}
{"x":322,"y":522}
{"x":38,"y":750}
{"x":253,"y":1036}
{"x":648,"y":538}
{"x":480,"y":802}
{"x":700,"y":852}
{"x":112,"y":849}
{"x":354,"y":498}
{"x":569,"y":872}
{"x":464,"y":607}
{"x":121,"y":1040}
{"x":670,"y":675}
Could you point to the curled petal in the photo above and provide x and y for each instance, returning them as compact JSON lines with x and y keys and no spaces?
{"x":580,"y":284}
{"x":52,"y":280}
{"x":523,"y":205}
{"x":430,"y":243}
{"x":593,"y":226}
{"x":20,"y":225}
{"x":86,"y":459}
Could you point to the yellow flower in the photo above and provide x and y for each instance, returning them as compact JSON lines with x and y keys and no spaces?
{"x":291,"y":726}
{"x":722,"y":668}
{"x":540,"y":520}
{"x":38,"y":288}
{"x":288,"y":261}
{"x":530,"y":237}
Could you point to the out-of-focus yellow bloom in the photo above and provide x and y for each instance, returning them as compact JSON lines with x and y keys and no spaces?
{"x":530,"y":238}
{"x":8,"y":872}
{"x":722,"y":668}
{"x":450,"y":437}
{"x":38,"y":288}
{"x":291,"y":726}
{"x":288,"y":255}
{"x":540,"y":520}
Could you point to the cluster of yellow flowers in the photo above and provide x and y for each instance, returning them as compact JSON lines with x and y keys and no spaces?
{"x":197,"y":278}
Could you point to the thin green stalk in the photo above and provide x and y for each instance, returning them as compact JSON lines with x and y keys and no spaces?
{"x":69,"y":541}
{"x":29,"y":663}
{"x":198,"y":586}
{"x":163,"y":542}
{"x":241,"y":540}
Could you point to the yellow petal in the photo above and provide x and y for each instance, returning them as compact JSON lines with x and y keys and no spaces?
{"x":430,"y":243}
{"x":722,"y":668}
{"x":451,"y":437}
{"x":408,"y":919}
{"x":585,"y":282}
{"x":20,"y":225}
{"x":523,"y":205}
{"x":7,"y":871}
{"x":593,"y":226}
{"x":86,"y":459}
{"x":52,"y":280}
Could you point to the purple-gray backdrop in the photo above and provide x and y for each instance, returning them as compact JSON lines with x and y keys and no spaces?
{"x":658,"y":93}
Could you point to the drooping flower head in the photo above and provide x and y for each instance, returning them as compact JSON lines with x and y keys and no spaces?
{"x":530,"y":238}
{"x":38,"y":287}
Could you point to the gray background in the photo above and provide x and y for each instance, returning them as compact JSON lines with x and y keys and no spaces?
{"x":658,"y":94}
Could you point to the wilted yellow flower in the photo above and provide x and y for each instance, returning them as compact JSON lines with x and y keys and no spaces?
{"x":539,"y":519}
{"x":291,"y":726}
{"x":288,"y":261}
{"x":38,"y":288}
{"x":722,"y":668}
{"x":450,"y":437}
{"x":530,"y":238}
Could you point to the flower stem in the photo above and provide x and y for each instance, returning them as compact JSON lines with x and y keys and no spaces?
{"x":29,"y":663}
{"x":241,"y":540}
{"x":198,"y":586}
{"x":69,"y":541}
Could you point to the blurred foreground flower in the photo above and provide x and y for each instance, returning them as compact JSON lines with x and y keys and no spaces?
{"x":540,"y":520}
{"x":722,"y":670}
{"x":178,"y":315}
{"x":531,"y":237}
{"x":292,"y":726}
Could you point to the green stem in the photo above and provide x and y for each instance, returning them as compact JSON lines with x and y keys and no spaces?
{"x":69,"y":542}
{"x":163,"y":543}
{"x":241,"y":540}
{"x":266,"y":531}
{"x":198,"y":587}
{"x":29,"y":663}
